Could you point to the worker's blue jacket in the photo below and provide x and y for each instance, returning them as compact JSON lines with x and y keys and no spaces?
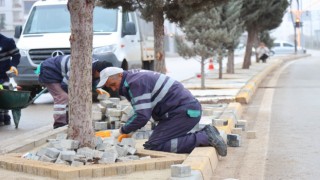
{"x":152,"y":94}
{"x":9,"y":56}
{"x":55,"y":70}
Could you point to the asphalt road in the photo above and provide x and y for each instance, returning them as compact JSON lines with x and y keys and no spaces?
{"x":285,"y":115}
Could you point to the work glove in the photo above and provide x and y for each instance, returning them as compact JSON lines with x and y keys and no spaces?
{"x":101,"y":91}
{"x":14,"y":70}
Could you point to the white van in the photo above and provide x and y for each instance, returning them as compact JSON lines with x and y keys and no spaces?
{"x":122,"y":38}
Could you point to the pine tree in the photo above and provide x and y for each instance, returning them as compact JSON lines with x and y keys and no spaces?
{"x":175,"y":11}
{"x":211,"y":32}
{"x":260,"y":15}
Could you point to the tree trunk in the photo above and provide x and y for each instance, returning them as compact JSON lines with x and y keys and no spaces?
{"x":220,"y":57}
{"x":80,"y":88}
{"x":203,"y":74}
{"x":250,"y":41}
{"x":230,"y":63}
{"x":158,"y":24}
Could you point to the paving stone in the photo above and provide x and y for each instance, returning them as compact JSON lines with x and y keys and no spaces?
{"x":234,"y":140}
{"x":102,"y":109}
{"x":103,"y":146}
{"x":96,"y":115}
{"x":128,"y":141}
{"x":52,"y":153}
{"x":106,"y":103}
{"x":236,"y":131}
{"x":67,"y":155}
{"x":59,"y":161}
{"x":112,"y":112}
{"x":122,"y":151}
{"x":131,"y":150}
{"x":97,"y":141}
{"x":45,"y":158}
{"x":70,"y":144}
{"x":241,"y":124}
{"x":123,"y":159}
{"x":207,"y":111}
{"x":102,"y":97}
{"x":180,"y":170}
{"x":115,"y":100}
{"x":98,"y":126}
{"x":87,"y":152}
{"x":55,"y":144}
{"x":97,"y":154}
{"x":110,"y":140}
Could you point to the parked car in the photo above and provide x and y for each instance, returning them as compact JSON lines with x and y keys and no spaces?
{"x":240,"y":50}
{"x":283,"y":47}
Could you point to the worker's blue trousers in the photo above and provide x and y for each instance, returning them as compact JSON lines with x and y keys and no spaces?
{"x":171,"y":133}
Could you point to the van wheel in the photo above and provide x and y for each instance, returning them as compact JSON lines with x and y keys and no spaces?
{"x":148,"y":65}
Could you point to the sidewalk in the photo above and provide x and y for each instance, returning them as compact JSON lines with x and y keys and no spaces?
{"x":222,"y":98}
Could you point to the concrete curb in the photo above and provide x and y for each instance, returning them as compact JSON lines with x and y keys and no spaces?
{"x":30,"y":140}
{"x":245,"y":94}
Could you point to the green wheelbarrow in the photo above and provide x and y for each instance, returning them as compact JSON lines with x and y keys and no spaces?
{"x":15,"y":101}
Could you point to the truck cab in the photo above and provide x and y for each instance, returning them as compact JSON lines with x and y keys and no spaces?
{"x":119,"y":37}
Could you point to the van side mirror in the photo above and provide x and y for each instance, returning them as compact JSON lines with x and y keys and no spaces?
{"x":17,"y":31}
{"x":130,"y":29}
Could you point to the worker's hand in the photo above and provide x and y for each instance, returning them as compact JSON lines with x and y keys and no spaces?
{"x":101,"y":91}
{"x":14,"y":70}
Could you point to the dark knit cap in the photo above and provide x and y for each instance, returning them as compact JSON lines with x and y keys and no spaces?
{"x":100,"y":65}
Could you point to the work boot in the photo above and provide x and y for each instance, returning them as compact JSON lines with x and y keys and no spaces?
{"x":216,"y":140}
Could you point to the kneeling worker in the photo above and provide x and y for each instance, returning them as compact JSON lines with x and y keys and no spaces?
{"x":54,"y":75}
{"x":173,"y":107}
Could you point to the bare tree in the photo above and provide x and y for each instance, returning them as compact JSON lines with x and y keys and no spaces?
{"x":80,"y":95}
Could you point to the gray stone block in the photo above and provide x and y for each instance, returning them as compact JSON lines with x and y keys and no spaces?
{"x":97,"y":154}
{"x":207,"y":112}
{"x":45,"y":158}
{"x":180,"y":170}
{"x":52,"y":153}
{"x":98,"y":126}
{"x":133,"y":157}
{"x":80,"y":158}
{"x":106,"y":103}
{"x":131,"y":150}
{"x":122,"y":151}
{"x":55,"y":144}
{"x":110,"y":140}
{"x":96,"y":115}
{"x":102,"y":109}
{"x":114,"y":112}
{"x":87,"y":152}
{"x":97,"y":141}
{"x":109,"y":156}
{"x":128,"y":141}
{"x":70,"y":144}
{"x":107,"y":160}
{"x":103,"y":146}
{"x":102,"y":97}
{"x":41,"y":151}
{"x":67,"y":155}
{"x":115,"y":100}
{"x":59,"y":161}
{"x":113,"y":118}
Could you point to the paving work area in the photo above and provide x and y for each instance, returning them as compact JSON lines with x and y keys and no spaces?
{"x":221,"y":108}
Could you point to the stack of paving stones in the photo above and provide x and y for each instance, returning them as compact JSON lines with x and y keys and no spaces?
{"x":65,"y":151}
{"x":112,"y":113}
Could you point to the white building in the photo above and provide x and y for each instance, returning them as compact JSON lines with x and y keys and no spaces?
{"x":13,"y":12}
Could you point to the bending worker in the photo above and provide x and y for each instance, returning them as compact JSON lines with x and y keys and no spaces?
{"x":9,"y":60}
{"x":173,"y":107}
{"x":54,"y":75}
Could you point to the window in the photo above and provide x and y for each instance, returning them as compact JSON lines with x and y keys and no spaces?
{"x":27,"y":6}
{"x":287,"y":45}
{"x":276,"y":44}
{"x":2,"y":21}
{"x":2,"y":3}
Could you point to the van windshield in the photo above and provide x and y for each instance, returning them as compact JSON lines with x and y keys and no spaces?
{"x":56,"y":19}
